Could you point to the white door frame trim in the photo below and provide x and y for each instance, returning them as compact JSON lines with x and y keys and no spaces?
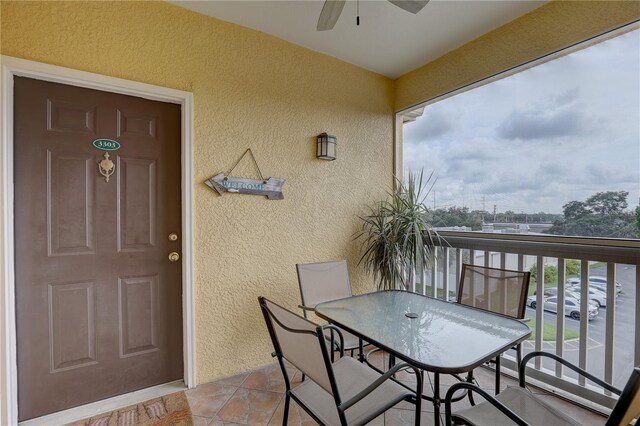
{"x":20,"y":67}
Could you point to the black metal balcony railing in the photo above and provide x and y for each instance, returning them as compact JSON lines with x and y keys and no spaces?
{"x":607,"y":346}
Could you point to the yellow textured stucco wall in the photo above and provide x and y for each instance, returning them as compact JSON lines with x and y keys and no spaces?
{"x":254,"y":90}
{"x":250,"y":90}
{"x":556,"y":25}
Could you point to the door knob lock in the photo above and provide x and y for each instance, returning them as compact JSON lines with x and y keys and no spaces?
{"x":173,"y":237}
{"x":174,"y":256}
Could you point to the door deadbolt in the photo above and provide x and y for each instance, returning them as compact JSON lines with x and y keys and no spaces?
{"x":174,"y":256}
{"x":173,"y":236}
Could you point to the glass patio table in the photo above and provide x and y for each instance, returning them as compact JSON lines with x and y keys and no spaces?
{"x":434,"y":335}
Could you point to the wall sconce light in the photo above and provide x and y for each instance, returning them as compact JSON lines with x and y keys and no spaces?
{"x":326,"y":147}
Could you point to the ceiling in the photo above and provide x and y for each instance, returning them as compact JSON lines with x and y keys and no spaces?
{"x":389,"y":40}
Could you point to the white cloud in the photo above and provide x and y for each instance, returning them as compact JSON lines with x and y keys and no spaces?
{"x":543,"y":123}
{"x":557,"y":132}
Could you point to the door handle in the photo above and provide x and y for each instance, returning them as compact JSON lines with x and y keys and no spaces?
{"x":174,"y":256}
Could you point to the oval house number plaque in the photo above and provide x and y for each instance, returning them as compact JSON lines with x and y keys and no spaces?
{"x":106,"y":144}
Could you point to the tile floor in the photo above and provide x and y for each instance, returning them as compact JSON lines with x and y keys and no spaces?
{"x":257,"y":398}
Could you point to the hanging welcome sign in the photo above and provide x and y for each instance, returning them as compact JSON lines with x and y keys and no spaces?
{"x":106,"y":144}
{"x":223,"y":182}
{"x":271,"y":188}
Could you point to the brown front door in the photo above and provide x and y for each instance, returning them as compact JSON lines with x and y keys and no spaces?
{"x":98,"y":302}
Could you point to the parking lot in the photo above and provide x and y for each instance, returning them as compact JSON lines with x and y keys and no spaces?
{"x":624,"y":327}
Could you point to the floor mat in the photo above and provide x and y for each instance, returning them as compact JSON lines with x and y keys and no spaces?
{"x":167,"y":410}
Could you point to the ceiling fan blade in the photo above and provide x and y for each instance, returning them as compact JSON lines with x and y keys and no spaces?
{"x":330,"y":13}
{"x":413,"y":6}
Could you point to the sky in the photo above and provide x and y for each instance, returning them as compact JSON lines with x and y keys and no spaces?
{"x":534,"y":141}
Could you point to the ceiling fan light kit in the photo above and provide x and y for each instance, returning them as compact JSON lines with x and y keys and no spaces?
{"x":332,"y":9}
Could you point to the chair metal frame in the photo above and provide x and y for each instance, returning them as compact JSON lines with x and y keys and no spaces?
{"x":526,"y":277}
{"x":341,"y":405}
{"x":619,"y":412}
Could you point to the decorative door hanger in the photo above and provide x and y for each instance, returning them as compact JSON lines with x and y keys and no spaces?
{"x":106,"y":167}
{"x":223,"y":182}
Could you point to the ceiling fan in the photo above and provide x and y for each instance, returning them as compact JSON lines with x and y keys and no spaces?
{"x":333,"y":8}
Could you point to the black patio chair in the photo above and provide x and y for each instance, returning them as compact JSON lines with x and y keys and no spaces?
{"x":323,"y":282}
{"x":517,"y":405}
{"x":344,"y":392}
{"x":501,"y":291}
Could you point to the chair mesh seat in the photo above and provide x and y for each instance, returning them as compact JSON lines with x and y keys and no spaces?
{"x":352,"y":377}
{"x":520,"y":401}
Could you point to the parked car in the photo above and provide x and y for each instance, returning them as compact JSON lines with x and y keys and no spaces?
{"x":596,"y":296}
{"x":602,"y":282}
{"x":573,"y":281}
{"x":552,"y":291}
{"x":597,"y":279}
{"x":592,"y":287}
{"x":571,"y":306}
{"x":595,"y":282}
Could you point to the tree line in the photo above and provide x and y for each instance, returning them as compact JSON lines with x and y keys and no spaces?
{"x":604,"y":214}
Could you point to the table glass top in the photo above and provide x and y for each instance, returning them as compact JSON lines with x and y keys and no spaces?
{"x":444,"y":337}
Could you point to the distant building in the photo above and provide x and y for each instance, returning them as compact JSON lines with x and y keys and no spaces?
{"x":512,"y":259}
{"x":453,"y":228}
{"x":507,"y":228}
{"x":516,"y":228}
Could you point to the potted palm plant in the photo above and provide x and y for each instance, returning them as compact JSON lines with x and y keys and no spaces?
{"x":397,"y":235}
